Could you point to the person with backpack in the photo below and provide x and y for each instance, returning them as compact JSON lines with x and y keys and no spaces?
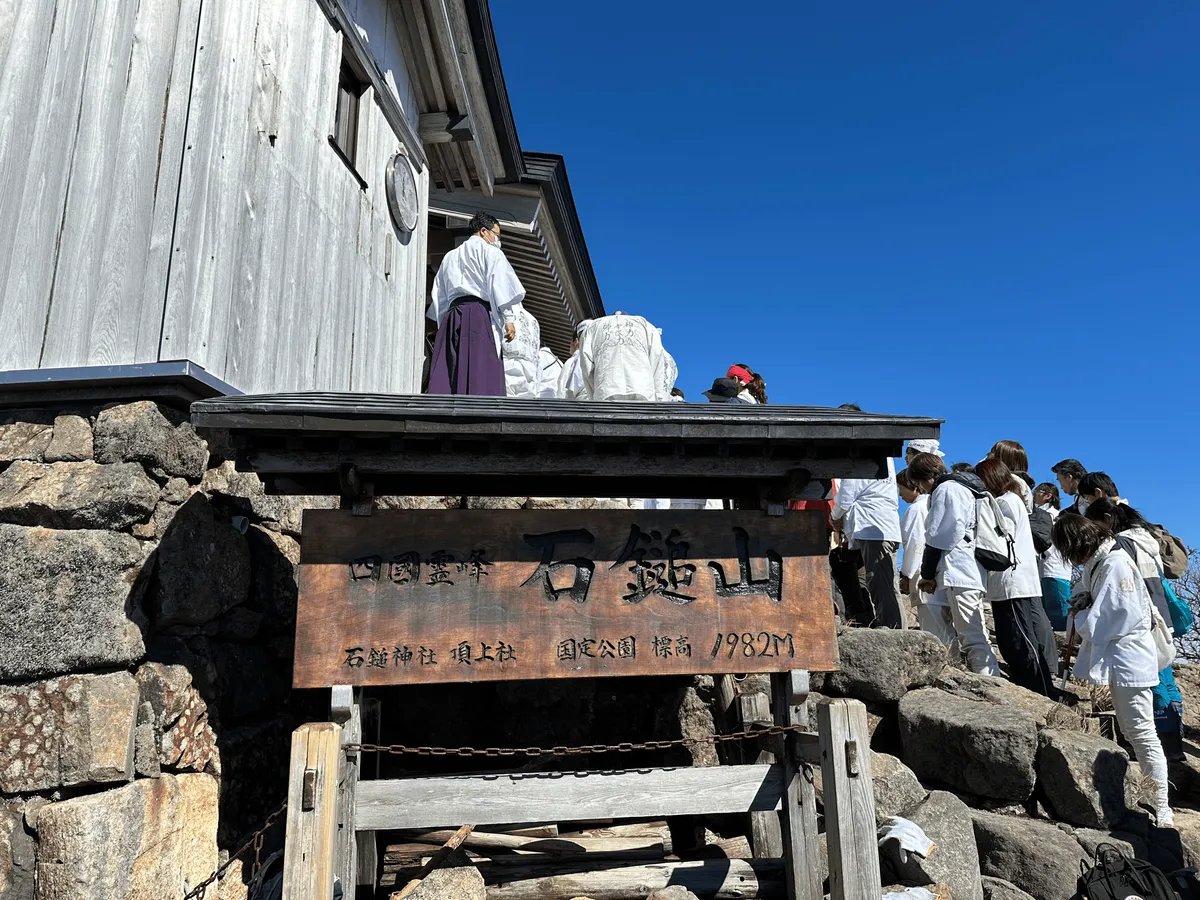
{"x":1133,"y":535}
{"x":949,"y":562}
{"x":1123,"y":641}
{"x":1054,"y":571}
{"x":933,"y":610}
{"x":1016,"y":593}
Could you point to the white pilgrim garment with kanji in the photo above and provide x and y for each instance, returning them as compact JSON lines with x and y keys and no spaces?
{"x":1117,"y":644}
{"x":874,"y":506}
{"x":621,"y":358}
{"x":670,"y":373}
{"x":549,"y":369}
{"x":477,"y":268}
{"x":521,"y":355}
{"x":950,"y":527}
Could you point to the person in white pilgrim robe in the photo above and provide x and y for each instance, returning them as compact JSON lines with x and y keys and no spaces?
{"x":933,"y":610}
{"x":549,"y":370}
{"x":570,"y":381}
{"x":621,"y":359}
{"x":949,"y":561}
{"x":1115,"y":620}
{"x":522,"y":355}
{"x":670,"y":372}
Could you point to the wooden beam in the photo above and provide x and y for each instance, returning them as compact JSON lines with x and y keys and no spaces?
{"x":766,"y":837}
{"x":339,"y":16}
{"x":310,"y":848}
{"x":544,"y":796}
{"x":799,"y":818}
{"x":443,"y":128}
{"x":849,"y":800}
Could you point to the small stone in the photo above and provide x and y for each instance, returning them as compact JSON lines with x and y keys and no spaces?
{"x":139,"y":432}
{"x":145,"y":752}
{"x":76,"y":495}
{"x":457,"y":883}
{"x":72,"y":440}
{"x":674,"y":892}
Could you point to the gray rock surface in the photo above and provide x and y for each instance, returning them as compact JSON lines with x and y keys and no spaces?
{"x":883,"y":664}
{"x":139,"y":432}
{"x":76,"y":495}
{"x":1083,"y":778}
{"x":247,"y":494}
{"x":67,"y":731}
{"x":203,"y":567}
{"x":973,"y":747}
{"x":999,"y":889}
{"x":1038,"y":857}
{"x":149,"y":840}
{"x":674,"y":892}
{"x":954,"y":860}
{"x":17,"y":857}
{"x":24,"y":440}
{"x":180,"y":718}
{"x":461,"y":882}
{"x":71,"y":442}
{"x":896,"y":787}
{"x":1001,"y":691}
{"x":68,"y":602}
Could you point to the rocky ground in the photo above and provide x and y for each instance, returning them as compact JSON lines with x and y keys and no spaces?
{"x":147,"y":612}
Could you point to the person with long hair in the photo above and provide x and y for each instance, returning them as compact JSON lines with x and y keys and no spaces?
{"x":1114,"y":618}
{"x":1022,"y":629}
{"x":1133,"y":535}
{"x":1054,"y":571}
{"x":949,"y":560}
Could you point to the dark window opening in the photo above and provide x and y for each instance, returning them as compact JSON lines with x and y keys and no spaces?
{"x":345,"y":126}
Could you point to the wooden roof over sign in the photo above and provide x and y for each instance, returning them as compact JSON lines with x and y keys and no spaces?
{"x":488,"y":446}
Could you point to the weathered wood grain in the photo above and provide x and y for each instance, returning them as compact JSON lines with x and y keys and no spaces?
{"x":640,"y":793}
{"x":309,"y":851}
{"x":849,"y":800}
{"x":799,"y":807}
{"x":408,"y":596}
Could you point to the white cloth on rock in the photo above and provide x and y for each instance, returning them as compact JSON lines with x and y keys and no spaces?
{"x":909,"y":835}
{"x":477,"y":268}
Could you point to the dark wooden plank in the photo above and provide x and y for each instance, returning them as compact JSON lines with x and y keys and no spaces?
{"x":401,"y":597}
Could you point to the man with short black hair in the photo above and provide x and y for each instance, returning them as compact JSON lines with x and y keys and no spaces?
{"x":1095,"y":486}
{"x":474,"y":295}
{"x":1069,"y":471}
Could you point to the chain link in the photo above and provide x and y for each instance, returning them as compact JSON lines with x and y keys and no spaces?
{"x":585,"y":750}
{"x":200,"y":891}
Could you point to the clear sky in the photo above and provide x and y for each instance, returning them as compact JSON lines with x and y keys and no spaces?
{"x":988,"y":213}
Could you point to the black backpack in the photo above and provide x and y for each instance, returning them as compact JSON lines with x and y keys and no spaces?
{"x":1041,"y":524}
{"x":1117,"y":877}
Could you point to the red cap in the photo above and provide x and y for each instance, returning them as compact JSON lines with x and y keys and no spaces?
{"x":741,"y":374}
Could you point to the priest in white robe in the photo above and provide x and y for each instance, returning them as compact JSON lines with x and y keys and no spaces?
{"x":473,"y":298}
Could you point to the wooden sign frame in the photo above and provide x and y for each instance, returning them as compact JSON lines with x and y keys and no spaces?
{"x":438,"y":596}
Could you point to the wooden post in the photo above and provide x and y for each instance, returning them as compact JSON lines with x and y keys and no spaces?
{"x":798,"y":813}
{"x":849,"y":800}
{"x":357,"y":859}
{"x":310,"y":848}
{"x":766,"y":836}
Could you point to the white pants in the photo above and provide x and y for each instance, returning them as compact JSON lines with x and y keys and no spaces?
{"x":938,"y":621}
{"x":1135,"y":714}
{"x":966,"y":605}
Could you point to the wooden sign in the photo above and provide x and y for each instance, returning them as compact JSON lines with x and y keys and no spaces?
{"x":417,"y":597}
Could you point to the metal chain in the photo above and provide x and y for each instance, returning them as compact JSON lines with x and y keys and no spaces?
{"x":586,"y":749}
{"x":255,"y":841}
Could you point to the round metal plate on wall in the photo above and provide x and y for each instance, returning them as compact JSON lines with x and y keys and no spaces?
{"x":402,"y":193}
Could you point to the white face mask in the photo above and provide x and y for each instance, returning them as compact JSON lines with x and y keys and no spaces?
{"x":1084,"y":503}
{"x":493,"y":240}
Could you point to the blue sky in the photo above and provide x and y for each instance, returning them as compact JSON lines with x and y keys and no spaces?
{"x":988,"y":213}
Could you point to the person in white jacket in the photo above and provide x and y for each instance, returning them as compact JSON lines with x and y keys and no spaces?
{"x":867,"y":512}
{"x":1114,"y":618}
{"x":933,"y":610}
{"x":1016,"y":593}
{"x":949,"y":561}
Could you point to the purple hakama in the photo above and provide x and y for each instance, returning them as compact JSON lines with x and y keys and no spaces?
{"x":465,"y":360}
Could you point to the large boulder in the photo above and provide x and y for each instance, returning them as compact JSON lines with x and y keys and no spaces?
{"x":1040,"y":858}
{"x":68,"y":601}
{"x":139,"y":432}
{"x":1083,"y":778}
{"x":17,"y":857}
{"x":972,"y":747}
{"x":999,"y":889}
{"x":897,"y":789}
{"x":72,"y":440}
{"x":954,"y":860}
{"x":149,"y":840}
{"x":203,"y":567}
{"x":883,"y":664}
{"x":76,"y":495}
{"x":1001,"y":691}
{"x":67,"y":731}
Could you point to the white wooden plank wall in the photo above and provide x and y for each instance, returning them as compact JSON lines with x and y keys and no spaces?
{"x":170,"y":193}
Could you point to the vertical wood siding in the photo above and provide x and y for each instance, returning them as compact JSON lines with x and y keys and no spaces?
{"x":170,"y":193}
